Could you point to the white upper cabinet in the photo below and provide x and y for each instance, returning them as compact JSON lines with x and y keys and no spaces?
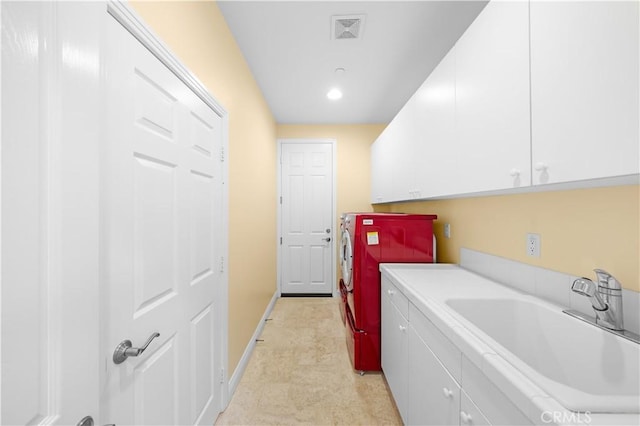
{"x":382,"y":165}
{"x":532,"y":93}
{"x":584,"y":90}
{"x":393,"y":175}
{"x":492,"y":100}
{"x":405,"y":177}
{"x":436,"y":151}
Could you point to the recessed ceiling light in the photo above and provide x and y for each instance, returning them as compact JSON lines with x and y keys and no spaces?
{"x":334,"y":94}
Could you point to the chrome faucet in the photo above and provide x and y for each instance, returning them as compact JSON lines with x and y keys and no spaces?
{"x":606,"y":298}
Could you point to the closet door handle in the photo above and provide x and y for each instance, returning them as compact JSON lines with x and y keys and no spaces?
{"x":124,"y":349}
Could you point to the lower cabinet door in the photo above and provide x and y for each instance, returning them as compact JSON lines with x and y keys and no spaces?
{"x":434,"y":396}
{"x":394,"y":354}
{"x":470,"y":414}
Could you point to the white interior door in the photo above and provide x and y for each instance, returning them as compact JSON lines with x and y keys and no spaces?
{"x":307,"y":217}
{"x":50,"y":123}
{"x":161,"y":241}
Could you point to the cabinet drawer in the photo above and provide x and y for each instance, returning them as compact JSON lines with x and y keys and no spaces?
{"x":396,"y":297}
{"x":448,"y":354}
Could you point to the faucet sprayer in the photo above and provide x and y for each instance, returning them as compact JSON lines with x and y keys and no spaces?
{"x":586,"y":287}
{"x":605,"y":297}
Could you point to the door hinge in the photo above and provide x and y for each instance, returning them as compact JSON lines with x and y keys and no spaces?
{"x":222,"y":375}
{"x":280,"y":240}
{"x":281,"y":199}
{"x":222,"y":154}
{"x":221,"y":264}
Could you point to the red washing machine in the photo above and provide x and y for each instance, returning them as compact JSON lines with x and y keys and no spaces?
{"x":367,"y":240}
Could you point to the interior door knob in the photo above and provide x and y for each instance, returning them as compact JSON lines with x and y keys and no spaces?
{"x":124,"y":350}
{"x":88,"y":421}
{"x":85,"y":421}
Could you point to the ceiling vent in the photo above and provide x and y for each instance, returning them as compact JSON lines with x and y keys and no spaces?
{"x":347,"y":27}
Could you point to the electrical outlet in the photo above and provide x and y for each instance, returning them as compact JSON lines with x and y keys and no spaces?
{"x":533,"y":245}
{"x":447,"y":230}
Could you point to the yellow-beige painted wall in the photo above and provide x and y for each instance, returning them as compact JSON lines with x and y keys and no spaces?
{"x":196,"y":32}
{"x":579,"y":229}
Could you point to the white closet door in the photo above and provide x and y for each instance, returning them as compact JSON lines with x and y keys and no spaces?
{"x":161,"y":228}
{"x":50,"y":127}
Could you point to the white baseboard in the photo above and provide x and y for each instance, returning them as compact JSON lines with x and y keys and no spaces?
{"x":242,"y":365}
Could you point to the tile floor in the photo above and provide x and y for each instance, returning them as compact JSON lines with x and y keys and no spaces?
{"x":301,"y":374}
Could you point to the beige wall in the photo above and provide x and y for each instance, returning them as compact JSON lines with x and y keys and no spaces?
{"x":197,"y":33}
{"x":580,"y":229}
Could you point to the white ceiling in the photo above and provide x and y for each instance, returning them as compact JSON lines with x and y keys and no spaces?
{"x":289,"y":48}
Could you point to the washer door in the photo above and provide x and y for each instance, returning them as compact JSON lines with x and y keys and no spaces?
{"x":346,"y":258}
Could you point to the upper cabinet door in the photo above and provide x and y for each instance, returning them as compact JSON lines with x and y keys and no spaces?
{"x":492,"y":99}
{"x":382,"y":168}
{"x":393,"y":162}
{"x":405,"y":185}
{"x":584,"y":90}
{"x":435,"y":150}
{"x":386,"y":160}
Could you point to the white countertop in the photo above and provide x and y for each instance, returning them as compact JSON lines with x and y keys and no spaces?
{"x":429,"y":286}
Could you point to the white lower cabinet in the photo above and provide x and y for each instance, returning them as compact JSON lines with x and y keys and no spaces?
{"x":395,"y":346}
{"x":470,"y":414}
{"x":431,"y":381}
{"x":434,"y":396}
{"x":488,"y":397}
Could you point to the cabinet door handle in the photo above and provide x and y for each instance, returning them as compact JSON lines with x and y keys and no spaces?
{"x":514,"y":173}
{"x":466,"y":418}
{"x":402,"y":328}
{"x":447,"y":393}
{"x":540,"y":166}
{"x":391,"y":292}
